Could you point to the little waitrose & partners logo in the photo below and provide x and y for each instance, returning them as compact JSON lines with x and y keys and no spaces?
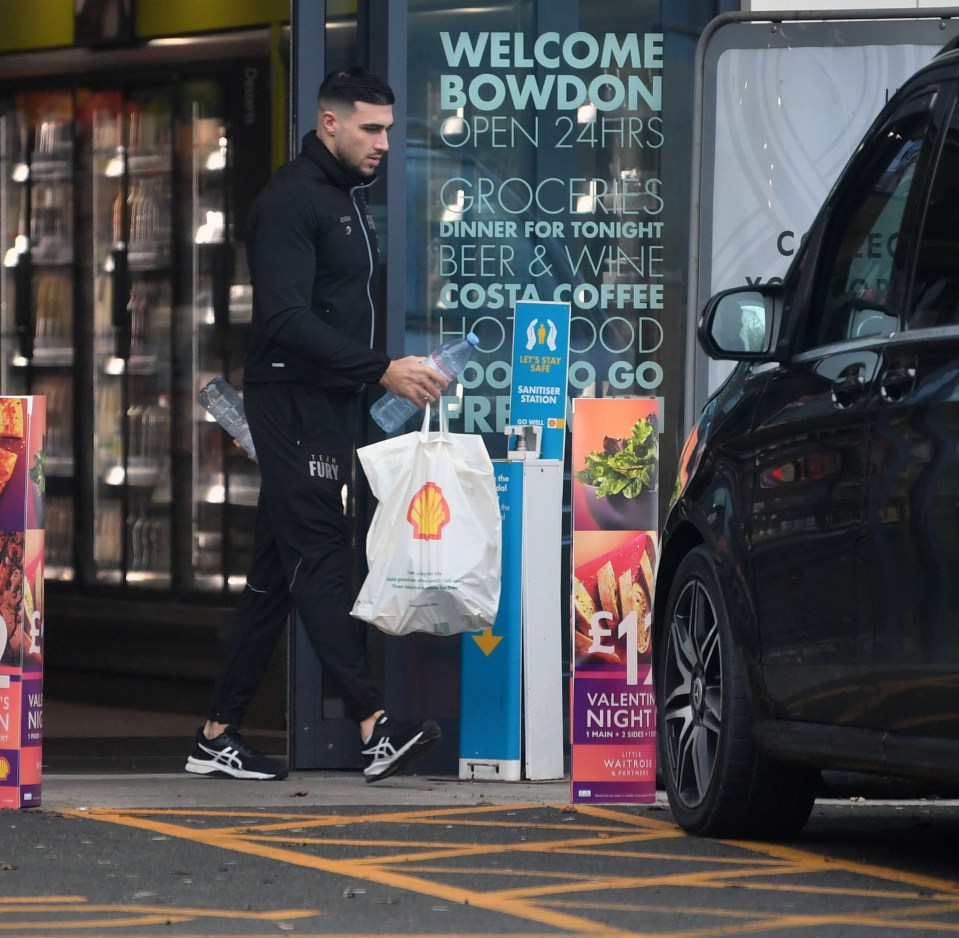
{"x":429,"y":513}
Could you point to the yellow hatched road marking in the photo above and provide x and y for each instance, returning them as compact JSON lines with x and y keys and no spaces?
{"x":39,"y":900}
{"x":85,"y":906}
{"x":30,"y":927}
{"x":448,"y":851}
{"x":111,"y":923}
{"x":565,"y":899}
{"x":123,"y":915}
{"x":384,"y":877}
{"x":802,"y":859}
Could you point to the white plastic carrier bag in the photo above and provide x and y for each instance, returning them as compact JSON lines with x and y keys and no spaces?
{"x":434,"y":547}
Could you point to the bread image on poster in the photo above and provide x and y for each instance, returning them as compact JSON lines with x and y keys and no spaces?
{"x":606,"y":590}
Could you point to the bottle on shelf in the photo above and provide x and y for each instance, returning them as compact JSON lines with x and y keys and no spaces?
{"x":221,"y":399}
{"x":391,"y":411}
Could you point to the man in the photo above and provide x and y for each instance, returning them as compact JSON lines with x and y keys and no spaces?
{"x":313,"y":263}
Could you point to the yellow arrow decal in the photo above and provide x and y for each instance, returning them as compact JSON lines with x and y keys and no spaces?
{"x":487,"y":641}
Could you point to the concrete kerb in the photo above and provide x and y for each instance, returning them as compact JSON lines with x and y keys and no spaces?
{"x":300,"y":789}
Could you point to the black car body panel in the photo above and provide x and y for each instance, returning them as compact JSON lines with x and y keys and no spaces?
{"x":823,"y":476}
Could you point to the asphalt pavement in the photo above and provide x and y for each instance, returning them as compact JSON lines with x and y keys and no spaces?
{"x":324,"y":853}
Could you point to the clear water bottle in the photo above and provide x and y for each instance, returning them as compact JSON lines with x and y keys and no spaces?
{"x":392,"y":411}
{"x":221,"y":399}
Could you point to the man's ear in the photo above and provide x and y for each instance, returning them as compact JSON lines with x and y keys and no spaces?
{"x":328,"y":121}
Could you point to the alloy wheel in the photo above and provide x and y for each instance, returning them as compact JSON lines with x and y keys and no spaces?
{"x":692,"y":692}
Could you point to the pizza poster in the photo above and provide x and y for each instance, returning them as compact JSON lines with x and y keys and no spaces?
{"x":615,"y":463}
{"x":22,"y":489}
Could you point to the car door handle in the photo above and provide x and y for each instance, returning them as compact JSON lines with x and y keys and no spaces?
{"x":849,"y":385}
{"x":898,"y":380}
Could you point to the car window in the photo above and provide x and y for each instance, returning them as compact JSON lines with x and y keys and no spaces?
{"x":934,"y":297}
{"x":861,"y":287}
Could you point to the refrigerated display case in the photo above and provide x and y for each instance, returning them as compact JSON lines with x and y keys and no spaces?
{"x":123,"y":289}
{"x":38,"y":275}
{"x":226,"y":481}
{"x":130,"y":176}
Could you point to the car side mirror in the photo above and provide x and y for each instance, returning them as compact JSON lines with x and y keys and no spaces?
{"x":737,"y":325}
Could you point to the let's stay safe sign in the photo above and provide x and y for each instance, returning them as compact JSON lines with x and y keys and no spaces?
{"x":540,"y":372}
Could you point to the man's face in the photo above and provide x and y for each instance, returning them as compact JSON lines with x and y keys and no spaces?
{"x":358,"y":139}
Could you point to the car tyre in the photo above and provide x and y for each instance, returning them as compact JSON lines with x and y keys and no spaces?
{"x":718,"y":782}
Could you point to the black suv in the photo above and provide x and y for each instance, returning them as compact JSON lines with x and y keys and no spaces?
{"x":807,"y":596}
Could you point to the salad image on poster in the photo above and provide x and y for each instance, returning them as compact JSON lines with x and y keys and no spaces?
{"x":619,"y":480}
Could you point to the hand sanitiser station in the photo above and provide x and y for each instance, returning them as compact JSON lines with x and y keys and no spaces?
{"x":511,"y":713}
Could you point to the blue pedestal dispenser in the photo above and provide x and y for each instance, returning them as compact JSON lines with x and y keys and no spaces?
{"x":491,"y":702}
{"x":511,"y":714}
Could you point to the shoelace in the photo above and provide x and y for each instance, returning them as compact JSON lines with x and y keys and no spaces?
{"x":382,"y":750}
{"x":228,"y":756}
{"x":238,"y":745}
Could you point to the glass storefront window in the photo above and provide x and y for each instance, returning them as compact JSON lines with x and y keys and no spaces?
{"x":542,"y":163}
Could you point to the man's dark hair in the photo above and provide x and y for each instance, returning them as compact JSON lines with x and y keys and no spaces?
{"x":346,"y":86}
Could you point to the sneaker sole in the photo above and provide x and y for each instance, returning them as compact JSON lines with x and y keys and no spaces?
{"x":198,"y":767}
{"x":430,"y":734}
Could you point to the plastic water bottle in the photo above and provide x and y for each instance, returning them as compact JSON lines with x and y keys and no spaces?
{"x":221,"y":399}
{"x":392,"y":411}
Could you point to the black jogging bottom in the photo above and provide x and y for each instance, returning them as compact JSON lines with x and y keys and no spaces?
{"x":304,"y":440}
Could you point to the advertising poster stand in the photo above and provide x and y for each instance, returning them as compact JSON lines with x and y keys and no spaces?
{"x":22,"y":485}
{"x":511,"y":699}
{"x":615,"y":519}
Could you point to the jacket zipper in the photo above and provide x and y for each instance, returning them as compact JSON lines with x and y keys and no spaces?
{"x":361,"y":210}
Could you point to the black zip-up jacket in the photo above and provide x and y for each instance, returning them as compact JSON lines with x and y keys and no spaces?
{"x":313,"y":260}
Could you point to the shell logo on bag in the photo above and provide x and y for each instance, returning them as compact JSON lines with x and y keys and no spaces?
{"x":4,"y":769}
{"x":429,"y":513}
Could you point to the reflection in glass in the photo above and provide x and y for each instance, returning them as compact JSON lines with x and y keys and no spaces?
{"x":740,"y":323}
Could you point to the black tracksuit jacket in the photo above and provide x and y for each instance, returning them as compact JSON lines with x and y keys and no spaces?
{"x":313,"y":260}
